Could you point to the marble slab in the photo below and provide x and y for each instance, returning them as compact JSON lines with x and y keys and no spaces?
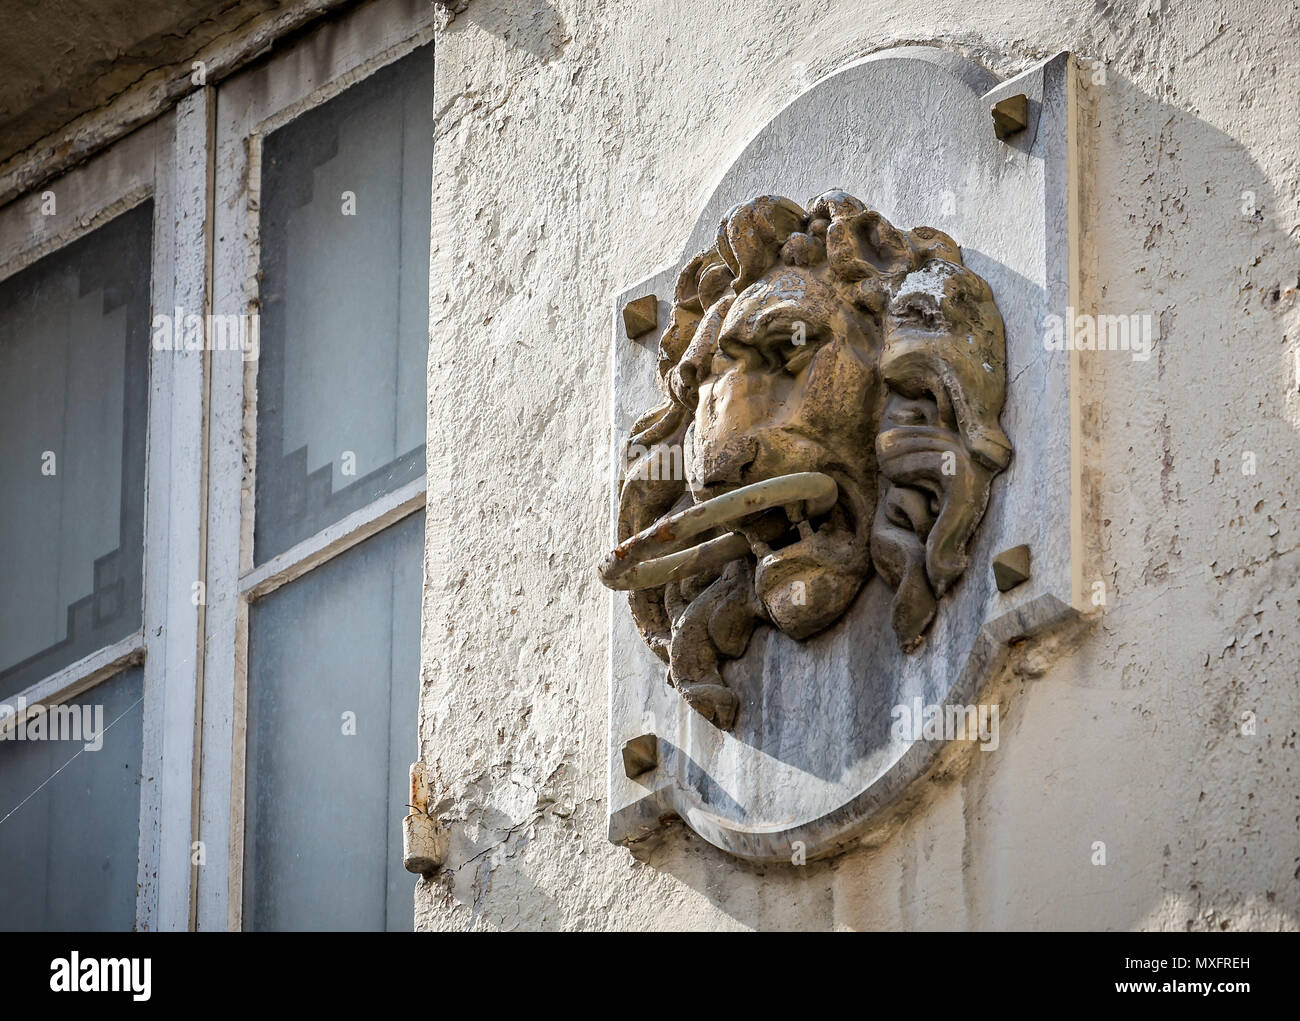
{"x":812,"y":760}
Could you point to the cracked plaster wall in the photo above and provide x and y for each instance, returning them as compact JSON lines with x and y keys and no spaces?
{"x":553,"y":118}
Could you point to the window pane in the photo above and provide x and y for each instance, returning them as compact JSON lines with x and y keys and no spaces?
{"x":333,"y":679}
{"x":68,"y":849}
{"x":74,"y":365}
{"x":345,"y":304}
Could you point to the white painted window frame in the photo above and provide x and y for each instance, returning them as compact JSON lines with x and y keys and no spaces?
{"x":165,"y":160}
{"x":252,"y":104}
{"x":201,"y":442}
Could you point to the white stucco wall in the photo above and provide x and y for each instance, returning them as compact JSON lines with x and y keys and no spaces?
{"x":554,"y":117}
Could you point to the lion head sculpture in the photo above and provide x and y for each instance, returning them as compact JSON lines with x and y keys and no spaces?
{"x":827,"y":360}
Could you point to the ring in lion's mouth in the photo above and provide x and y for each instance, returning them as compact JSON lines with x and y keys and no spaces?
{"x":785,"y":532}
{"x":663,"y":552}
{"x":809,"y":568}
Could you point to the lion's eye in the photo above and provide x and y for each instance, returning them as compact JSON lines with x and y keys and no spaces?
{"x":734,"y":350}
{"x":797,"y":357}
{"x":795,"y":351}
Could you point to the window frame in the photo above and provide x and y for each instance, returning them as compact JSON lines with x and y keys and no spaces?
{"x":250,"y":106}
{"x":163,"y":161}
{"x":199,"y":162}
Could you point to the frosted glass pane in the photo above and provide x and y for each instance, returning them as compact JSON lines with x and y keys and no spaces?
{"x":345,"y":303}
{"x":68,"y":849}
{"x":74,"y":365}
{"x":333,"y":688}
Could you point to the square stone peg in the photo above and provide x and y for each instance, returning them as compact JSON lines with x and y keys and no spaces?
{"x":1010,"y":115}
{"x":640,"y":755}
{"x":641,"y":316}
{"x":1011,"y":568}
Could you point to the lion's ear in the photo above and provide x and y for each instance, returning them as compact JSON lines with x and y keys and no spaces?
{"x":700,"y":285}
{"x":714,"y":281}
{"x":867,"y":245}
{"x":932,"y":243}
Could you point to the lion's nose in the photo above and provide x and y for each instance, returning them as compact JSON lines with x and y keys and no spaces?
{"x":720,"y":470}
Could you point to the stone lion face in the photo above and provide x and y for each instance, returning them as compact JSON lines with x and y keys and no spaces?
{"x":821,"y":341}
{"x":791,"y":385}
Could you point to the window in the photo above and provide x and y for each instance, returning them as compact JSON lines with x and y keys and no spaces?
{"x":315,"y":545}
{"x":212,"y":422}
{"x":344,"y":247}
{"x":99,"y":535}
{"x":72,"y":835}
{"x":334,"y":663}
{"x":74,"y":378}
{"x":73,"y":327}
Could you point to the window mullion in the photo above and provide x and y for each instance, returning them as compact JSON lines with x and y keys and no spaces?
{"x":225,"y":539}
{"x":175,"y":586}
